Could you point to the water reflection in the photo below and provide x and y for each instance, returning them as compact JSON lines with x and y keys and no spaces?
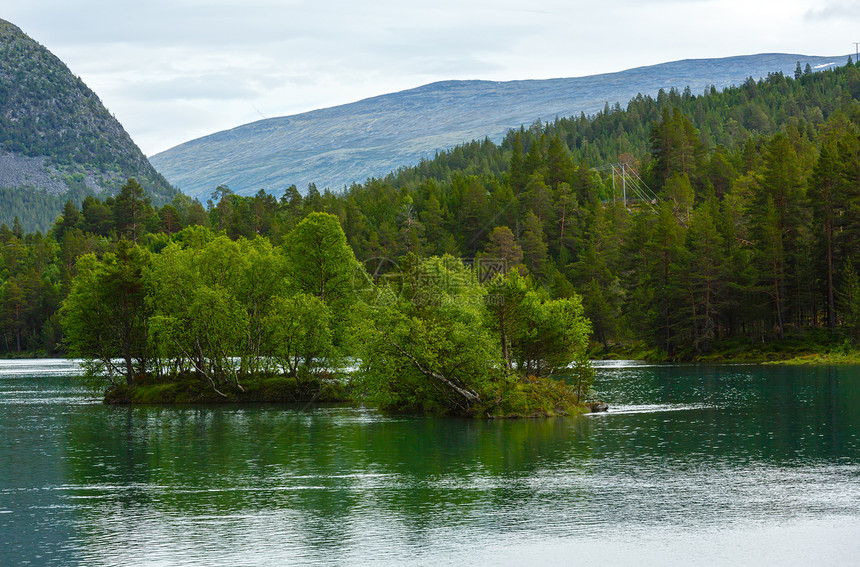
{"x":688,"y":451}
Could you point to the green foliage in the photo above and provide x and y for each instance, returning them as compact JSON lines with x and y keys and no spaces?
{"x":318,"y":260}
{"x":539,"y":336}
{"x":849,"y":299}
{"x":132,"y":210}
{"x":36,"y":209}
{"x":211,"y":299}
{"x":431,"y":351}
{"x":582,"y":375}
{"x":105,"y":316}
{"x":455,"y":345}
{"x":222,"y":310}
{"x":297,"y":336}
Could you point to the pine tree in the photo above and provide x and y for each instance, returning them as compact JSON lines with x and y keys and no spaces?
{"x":132,"y":207}
{"x":534,"y":246}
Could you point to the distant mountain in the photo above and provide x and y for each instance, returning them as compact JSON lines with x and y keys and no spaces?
{"x":57,"y":140}
{"x":335,"y":146}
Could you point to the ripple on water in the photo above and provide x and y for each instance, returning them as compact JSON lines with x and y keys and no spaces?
{"x":693,"y":464}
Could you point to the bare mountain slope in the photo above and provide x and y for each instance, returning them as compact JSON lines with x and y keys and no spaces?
{"x":335,"y":146}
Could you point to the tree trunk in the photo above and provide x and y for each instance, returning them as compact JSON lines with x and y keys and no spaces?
{"x":504,"y":337}
{"x":780,"y":323}
{"x":469,"y":396}
{"x":129,"y":368}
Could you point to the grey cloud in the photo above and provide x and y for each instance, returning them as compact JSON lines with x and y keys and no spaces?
{"x":169,"y":22}
{"x":843,"y":10}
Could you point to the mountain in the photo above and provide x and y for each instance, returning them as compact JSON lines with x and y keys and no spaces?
{"x":57,"y":140}
{"x":336,"y":146}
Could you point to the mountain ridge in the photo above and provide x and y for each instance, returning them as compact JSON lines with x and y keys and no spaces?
{"x":336,"y":146}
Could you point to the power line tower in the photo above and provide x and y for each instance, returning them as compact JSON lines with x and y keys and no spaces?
{"x":631,"y":180}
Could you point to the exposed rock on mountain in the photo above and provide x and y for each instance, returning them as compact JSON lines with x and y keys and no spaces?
{"x":57,"y":140}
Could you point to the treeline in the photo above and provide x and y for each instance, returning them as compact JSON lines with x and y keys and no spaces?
{"x":36,"y":209}
{"x":754,"y":235}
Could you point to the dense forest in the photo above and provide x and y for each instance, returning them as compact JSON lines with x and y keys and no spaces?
{"x":751,"y":239}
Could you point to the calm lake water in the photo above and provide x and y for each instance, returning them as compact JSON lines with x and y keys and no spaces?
{"x":693,"y":465}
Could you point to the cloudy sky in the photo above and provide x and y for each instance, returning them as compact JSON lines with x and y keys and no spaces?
{"x":174,"y":70}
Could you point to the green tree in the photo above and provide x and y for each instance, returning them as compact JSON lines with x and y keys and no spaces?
{"x":505,"y":294}
{"x":540,"y":335}
{"x":583,"y":375}
{"x":664,"y":252}
{"x":431,"y":350}
{"x":132,"y":208}
{"x":771,"y":257}
{"x":680,"y":192}
{"x":849,"y":298}
{"x":827,"y":207}
{"x":675,"y":146}
{"x":779,"y":212}
{"x":503,"y":246}
{"x":703,"y":276}
{"x":534,"y":246}
{"x":212,"y":298}
{"x":105,"y":316}
{"x":298,"y":337}
{"x":319,"y":261}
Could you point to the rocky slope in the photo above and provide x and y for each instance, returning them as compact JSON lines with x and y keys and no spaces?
{"x":335,"y":146}
{"x":57,"y":140}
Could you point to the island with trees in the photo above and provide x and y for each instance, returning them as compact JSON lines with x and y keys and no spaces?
{"x":209,"y":318}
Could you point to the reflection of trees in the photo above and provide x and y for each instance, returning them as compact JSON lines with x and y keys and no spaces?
{"x":329,"y":472}
{"x":34,"y":520}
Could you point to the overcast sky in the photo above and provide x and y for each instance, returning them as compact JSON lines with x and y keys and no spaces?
{"x":174,"y":70}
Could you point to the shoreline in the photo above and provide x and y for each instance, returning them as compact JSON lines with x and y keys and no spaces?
{"x":190,"y":391}
{"x":813,"y":348}
{"x":836,"y":355}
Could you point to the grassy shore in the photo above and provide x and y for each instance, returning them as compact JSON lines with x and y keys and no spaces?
{"x":821,"y":359}
{"x":531,"y":398}
{"x":809,"y":347}
{"x":534,"y":397}
{"x":190,"y":389}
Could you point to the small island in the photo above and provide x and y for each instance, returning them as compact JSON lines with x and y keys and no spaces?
{"x":210,"y":319}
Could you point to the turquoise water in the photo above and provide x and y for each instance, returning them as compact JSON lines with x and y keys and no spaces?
{"x":712,"y":465}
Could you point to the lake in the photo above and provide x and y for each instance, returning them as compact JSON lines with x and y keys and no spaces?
{"x":710,"y":465}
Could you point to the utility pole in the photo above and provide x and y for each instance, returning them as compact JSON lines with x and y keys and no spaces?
{"x":614,"y":198}
{"x":856,"y":51}
{"x":624,"y":182}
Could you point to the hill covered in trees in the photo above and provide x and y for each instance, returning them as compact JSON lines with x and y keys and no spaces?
{"x":749,"y":245}
{"x":57,"y":140}
{"x":337,"y":146}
